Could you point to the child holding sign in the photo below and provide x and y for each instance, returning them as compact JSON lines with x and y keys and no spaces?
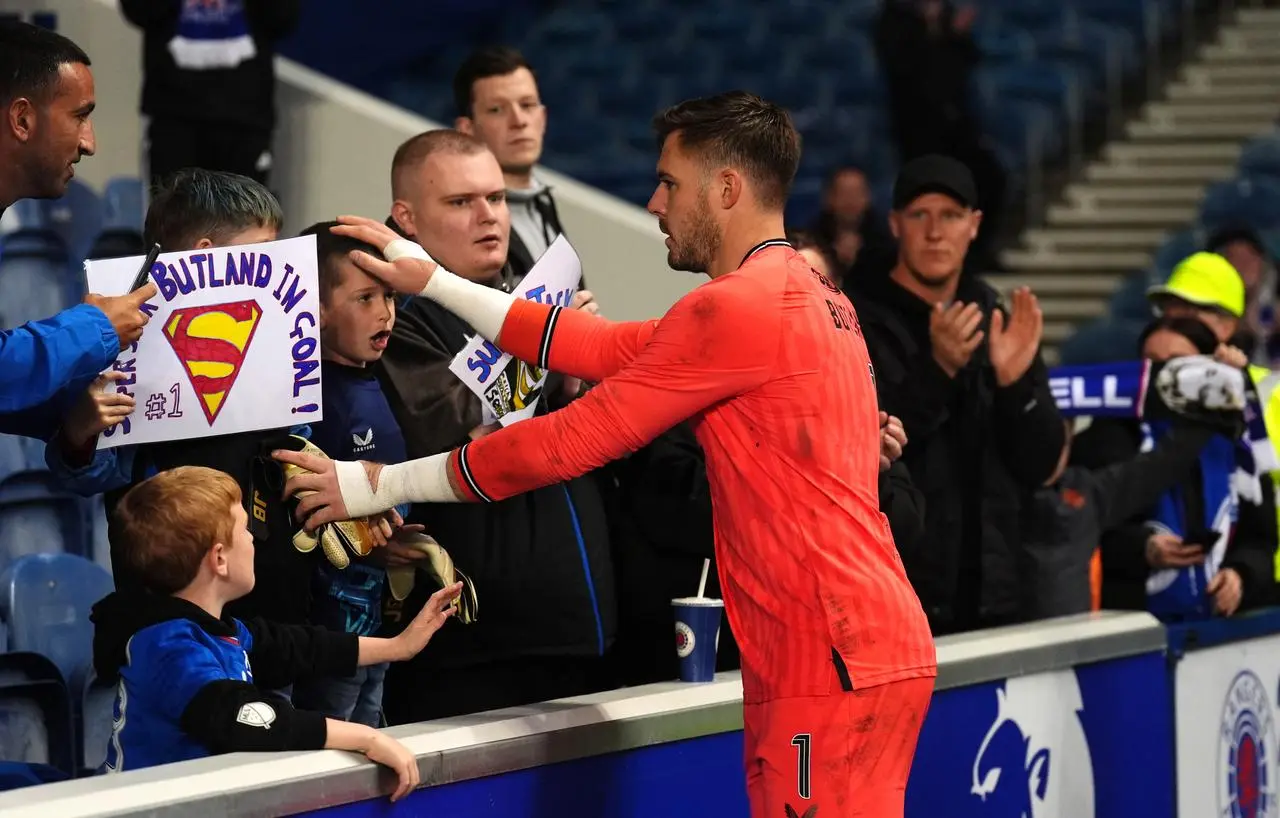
{"x":357,"y":313}
{"x":198,"y":209}
{"x":190,"y":673}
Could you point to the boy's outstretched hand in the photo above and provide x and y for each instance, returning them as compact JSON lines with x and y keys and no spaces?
{"x":430,"y":619}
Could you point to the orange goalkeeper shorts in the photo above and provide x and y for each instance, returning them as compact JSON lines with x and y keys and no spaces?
{"x":844,"y":755}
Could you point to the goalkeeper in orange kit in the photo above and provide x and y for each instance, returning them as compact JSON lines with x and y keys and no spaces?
{"x":768,"y":361}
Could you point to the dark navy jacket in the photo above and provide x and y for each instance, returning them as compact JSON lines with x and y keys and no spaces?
{"x":357,"y":425}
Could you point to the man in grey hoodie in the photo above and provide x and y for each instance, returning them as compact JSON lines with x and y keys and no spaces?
{"x":497,"y":99}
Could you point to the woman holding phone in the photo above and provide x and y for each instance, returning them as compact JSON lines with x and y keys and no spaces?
{"x":1204,"y":522}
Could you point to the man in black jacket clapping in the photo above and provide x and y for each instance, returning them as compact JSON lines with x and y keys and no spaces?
{"x":967,"y":381}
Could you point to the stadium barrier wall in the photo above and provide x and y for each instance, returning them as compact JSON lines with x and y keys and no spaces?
{"x":1226,"y":694}
{"x":1068,"y":718}
{"x":333,"y":155}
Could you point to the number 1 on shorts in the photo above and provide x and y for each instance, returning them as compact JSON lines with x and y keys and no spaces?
{"x":804,"y":761}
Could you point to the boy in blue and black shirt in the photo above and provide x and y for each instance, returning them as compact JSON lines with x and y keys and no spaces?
{"x":192,"y":679}
{"x":357,"y":313}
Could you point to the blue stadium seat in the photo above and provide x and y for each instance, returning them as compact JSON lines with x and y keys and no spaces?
{"x":117,"y":244}
{"x":848,"y":16}
{"x":1140,"y":17}
{"x":1175,"y":248}
{"x":97,"y":701}
{"x":1022,"y":127}
{"x":35,"y":713}
{"x":37,"y":517}
{"x":1261,"y":157}
{"x":1032,"y":15}
{"x":77,"y":219}
{"x":639,"y":23}
{"x":592,"y":67}
{"x":1096,"y":48}
{"x":703,"y":25}
{"x":28,"y":216}
{"x":805,"y":200}
{"x":1129,"y":301}
{"x":571,"y":29}
{"x":1102,"y":341}
{"x":1254,"y":202}
{"x":13,"y":456}
{"x":684,"y":66}
{"x":46,"y":599}
{"x":1001,"y":42}
{"x":14,"y":775}
{"x":123,"y":206}
{"x":1037,"y":80}
{"x":35,"y":282}
{"x":864,"y":88}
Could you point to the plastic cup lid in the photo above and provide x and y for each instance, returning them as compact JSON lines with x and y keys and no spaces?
{"x":699,"y":601}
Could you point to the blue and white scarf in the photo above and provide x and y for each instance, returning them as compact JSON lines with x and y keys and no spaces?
{"x":212,"y":34}
{"x":1230,"y":471}
{"x":1179,"y":593}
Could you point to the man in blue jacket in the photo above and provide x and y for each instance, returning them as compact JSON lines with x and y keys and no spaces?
{"x":46,"y":97}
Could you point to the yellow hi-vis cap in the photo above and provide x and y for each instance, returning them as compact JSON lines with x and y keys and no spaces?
{"x":1206,"y":280}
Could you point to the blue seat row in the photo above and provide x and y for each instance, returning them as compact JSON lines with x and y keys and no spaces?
{"x":605,"y":67}
{"x":52,"y":712}
{"x":1251,"y":199}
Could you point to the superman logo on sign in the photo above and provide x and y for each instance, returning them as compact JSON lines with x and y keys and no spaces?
{"x":211,"y":343}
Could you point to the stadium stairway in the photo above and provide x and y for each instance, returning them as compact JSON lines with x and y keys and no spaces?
{"x":1152,"y":179}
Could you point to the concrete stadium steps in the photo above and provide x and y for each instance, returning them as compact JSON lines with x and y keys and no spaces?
{"x":1112,"y":218}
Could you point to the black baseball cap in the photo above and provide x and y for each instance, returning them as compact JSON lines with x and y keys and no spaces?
{"x":934,"y":174}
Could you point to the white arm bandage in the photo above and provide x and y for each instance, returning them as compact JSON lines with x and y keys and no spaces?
{"x":484,"y":308}
{"x":425,"y":480}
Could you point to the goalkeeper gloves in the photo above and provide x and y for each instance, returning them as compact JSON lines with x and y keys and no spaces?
{"x":439,"y":566}
{"x":335,"y":539}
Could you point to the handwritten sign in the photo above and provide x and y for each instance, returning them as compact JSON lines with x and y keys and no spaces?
{"x":233,"y":344}
{"x":510,"y":388}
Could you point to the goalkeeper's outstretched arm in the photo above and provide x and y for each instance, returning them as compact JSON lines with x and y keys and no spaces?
{"x":717,"y":342}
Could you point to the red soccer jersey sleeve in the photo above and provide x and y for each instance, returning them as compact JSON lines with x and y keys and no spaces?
{"x":572,"y":342}
{"x":716,"y":342}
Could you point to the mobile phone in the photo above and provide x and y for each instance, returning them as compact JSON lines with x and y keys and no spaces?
{"x":1203,"y":537}
{"x":144,"y":272}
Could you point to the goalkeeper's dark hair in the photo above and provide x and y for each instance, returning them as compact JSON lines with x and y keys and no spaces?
{"x":30,"y":59}
{"x":1193,"y":329}
{"x":331,"y":251}
{"x":165,"y":525}
{"x":741,"y":131}
{"x":193,"y":204}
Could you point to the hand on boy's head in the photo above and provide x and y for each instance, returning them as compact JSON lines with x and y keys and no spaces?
{"x":407,"y":274}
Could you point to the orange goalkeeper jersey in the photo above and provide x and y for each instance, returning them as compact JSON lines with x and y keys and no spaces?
{"x":770,"y":364}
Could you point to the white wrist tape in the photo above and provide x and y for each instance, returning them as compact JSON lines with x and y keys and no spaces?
{"x":425,"y":480}
{"x":484,"y":308}
{"x":401,"y":248}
